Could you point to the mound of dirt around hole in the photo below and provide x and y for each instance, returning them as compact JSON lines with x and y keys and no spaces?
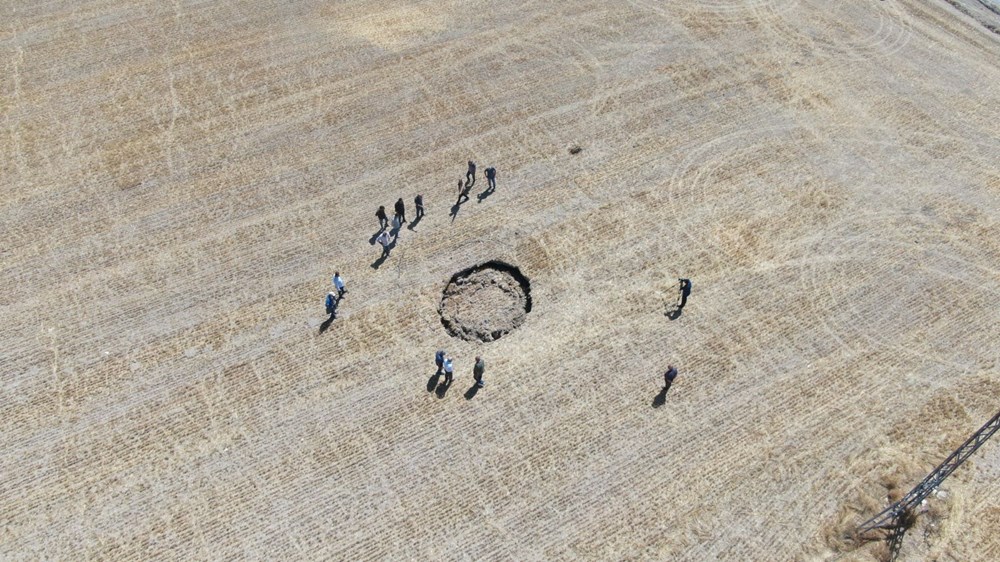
{"x":485,"y":302}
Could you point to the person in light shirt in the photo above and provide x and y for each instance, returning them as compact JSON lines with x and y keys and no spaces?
{"x":338,"y":282}
{"x":449,"y":371}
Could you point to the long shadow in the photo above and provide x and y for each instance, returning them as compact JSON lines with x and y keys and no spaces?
{"x":482,"y":196}
{"x":378,"y":263}
{"x":442,"y":389}
{"x":326,"y":323}
{"x":471,"y":393}
{"x":674,"y":314}
{"x":413,"y":224}
{"x":375,"y":236}
{"x":433,"y":382}
{"x":661,"y":398}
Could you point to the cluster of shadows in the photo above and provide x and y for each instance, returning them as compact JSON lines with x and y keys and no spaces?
{"x":434,"y":384}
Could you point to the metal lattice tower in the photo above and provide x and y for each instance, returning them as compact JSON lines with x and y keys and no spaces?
{"x":895,"y":517}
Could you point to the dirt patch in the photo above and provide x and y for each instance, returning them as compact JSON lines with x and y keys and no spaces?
{"x":485,"y":302}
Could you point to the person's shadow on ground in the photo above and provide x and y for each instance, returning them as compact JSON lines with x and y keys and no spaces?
{"x":433,"y":382}
{"x":486,"y":193}
{"x":442,"y":389}
{"x":378,"y":263}
{"x":326,"y":323}
{"x":471,"y":393}
{"x":674,"y":314}
{"x":374,"y":237}
{"x":413,"y":225}
{"x":661,"y":398}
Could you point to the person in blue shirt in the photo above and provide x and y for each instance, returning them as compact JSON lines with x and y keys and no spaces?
{"x":331,"y":303}
{"x":439,"y":360}
{"x":669,"y":376}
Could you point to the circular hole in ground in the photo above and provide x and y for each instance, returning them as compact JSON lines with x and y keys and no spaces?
{"x":485,"y":302}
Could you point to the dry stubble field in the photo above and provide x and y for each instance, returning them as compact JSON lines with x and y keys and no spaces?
{"x":181,"y":179}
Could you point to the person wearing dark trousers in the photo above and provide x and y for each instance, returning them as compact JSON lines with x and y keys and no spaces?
{"x":385,"y":240}
{"x":449,"y":371}
{"x":383,"y":220}
{"x":338,"y":282}
{"x":470,"y":176}
{"x":491,"y":178}
{"x":669,"y":376}
{"x":439,"y":361}
{"x":463,"y":191}
{"x":331,"y":303}
{"x":401,"y":210}
{"x":478,"y":370}
{"x":685,"y":292}
{"x":419,"y":202}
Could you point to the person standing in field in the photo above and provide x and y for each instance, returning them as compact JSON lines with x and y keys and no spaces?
{"x":478,"y":370}
{"x":449,"y":370}
{"x":383,"y":220}
{"x":418,"y":201}
{"x":439,"y":361}
{"x":491,"y":178}
{"x":669,"y":376}
{"x":338,"y":282}
{"x":384,"y":239}
{"x":685,"y":291}
{"x":400,"y":210}
{"x":470,"y":175}
{"x":331,"y":303}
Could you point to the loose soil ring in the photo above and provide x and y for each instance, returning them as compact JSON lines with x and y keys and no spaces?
{"x":485,"y":302}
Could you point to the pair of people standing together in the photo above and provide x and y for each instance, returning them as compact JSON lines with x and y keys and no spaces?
{"x":446,"y":366}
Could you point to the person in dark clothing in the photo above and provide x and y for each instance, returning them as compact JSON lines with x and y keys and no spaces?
{"x":669,"y":376}
{"x":383,"y":220}
{"x":331,"y":303}
{"x":478,"y":370}
{"x":439,"y":361}
{"x":470,"y":176}
{"x":685,"y":291}
{"x":400,"y":210}
{"x":419,"y":202}
{"x":463,"y":192}
{"x":491,"y":177}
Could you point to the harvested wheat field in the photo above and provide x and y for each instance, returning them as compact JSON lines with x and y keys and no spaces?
{"x":182,"y":179}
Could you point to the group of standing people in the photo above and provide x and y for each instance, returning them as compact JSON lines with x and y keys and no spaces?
{"x":387,"y":238}
{"x":445,"y":366}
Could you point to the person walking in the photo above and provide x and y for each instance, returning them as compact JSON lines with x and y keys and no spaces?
{"x":338,"y":282}
{"x":439,"y":361}
{"x":463,"y":191}
{"x":470,"y":176}
{"x":478,"y":370}
{"x":685,"y":291}
{"x":449,"y":370}
{"x":669,"y":376}
{"x":401,"y":210}
{"x":383,"y":220}
{"x":419,"y":202}
{"x":331,"y":303}
{"x":385,"y":240}
{"x":491,"y":178}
